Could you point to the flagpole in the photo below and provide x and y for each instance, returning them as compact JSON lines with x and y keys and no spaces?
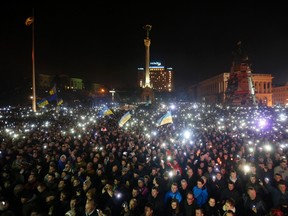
{"x":33,"y":66}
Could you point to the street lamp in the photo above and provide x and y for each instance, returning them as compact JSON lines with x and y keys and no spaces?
{"x":113,"y":93}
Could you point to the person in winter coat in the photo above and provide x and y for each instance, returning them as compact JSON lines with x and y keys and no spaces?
{"x":173,"y":193}
{"x":189,"y":204}
{"x":211,"y":208}
{"x":229,"y":206}
{"x":253,"y":203}
{"x":200,"y":192}
{"x":279,"y":193}
{"x":174,"y":208}
{"x":156,"y":200}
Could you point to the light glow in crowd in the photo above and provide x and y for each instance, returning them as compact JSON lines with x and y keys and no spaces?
{"x":251,"y":126}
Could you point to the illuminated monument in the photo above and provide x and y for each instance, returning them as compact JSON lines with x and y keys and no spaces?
{"x":147,"y":92}
{"x":240,"y":89}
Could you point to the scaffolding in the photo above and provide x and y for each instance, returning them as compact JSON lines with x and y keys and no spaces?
{"x":240,"y":89}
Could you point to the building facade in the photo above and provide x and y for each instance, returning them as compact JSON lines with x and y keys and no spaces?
{"x":263,"y":88}
{"x":45,"y":81}
{"x":213,"y":89}
{"x":280,"y":95}
{"x":161,"y":77}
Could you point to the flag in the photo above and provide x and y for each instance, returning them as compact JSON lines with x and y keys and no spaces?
{"x":106,"y":111}
{"x":53,"y":90}
{"x":165,"y":119}
{"x":124,"y":119}
{"x":59,"y":102}
{"x":29,"y":21}
{"x":52,"y":97}
{"x":42,"y":103}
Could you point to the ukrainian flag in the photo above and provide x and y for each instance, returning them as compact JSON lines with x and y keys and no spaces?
{"x":53,"y":90}
{"x":52,"y":97}
{"x":165,"y":119}
{"x":59,"y":102}
{"x":106,"y":111}
{"x":124,"y":119}
{"x":42,"y":103}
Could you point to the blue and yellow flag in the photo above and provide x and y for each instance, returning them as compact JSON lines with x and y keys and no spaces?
{"x":53,"y":90}
{"x":42,"y":103}
{"x":124,"y":119}
{"x":59,"y":102}
{"x":52,"y":97}
{"x":165,"y":119}
{"x":106,"y":111}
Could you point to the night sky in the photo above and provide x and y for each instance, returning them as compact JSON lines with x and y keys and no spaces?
{"x":104,"y":43}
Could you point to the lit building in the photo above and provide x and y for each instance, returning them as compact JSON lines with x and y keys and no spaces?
{"x":76,"y":83}
{"x":280,"y":95}
{"x":263,"y":88}
{"x":239,"y":87}
{"x":161,"y":78}
{"x":63,"y":82}
{"x":213,"y":89}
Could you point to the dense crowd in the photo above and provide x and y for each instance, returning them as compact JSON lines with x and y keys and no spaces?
{"x":211,"y":160}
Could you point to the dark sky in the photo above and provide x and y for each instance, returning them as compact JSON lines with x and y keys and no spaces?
{"x":104,"y":43}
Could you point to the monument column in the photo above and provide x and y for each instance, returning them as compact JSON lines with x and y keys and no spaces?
{"x":147,"y":43}
{"x":147,"y":94}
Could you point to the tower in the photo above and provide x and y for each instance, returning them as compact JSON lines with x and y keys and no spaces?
{"x":147,"y":92}
{"x":240,"y":89}
{"x":147,"y":43}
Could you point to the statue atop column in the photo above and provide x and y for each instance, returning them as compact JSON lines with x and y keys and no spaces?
{"x":239,"y":56}
{"x":148,"y":29}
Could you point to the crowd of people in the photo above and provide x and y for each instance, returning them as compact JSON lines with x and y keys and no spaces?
{"x":212,"y":160}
